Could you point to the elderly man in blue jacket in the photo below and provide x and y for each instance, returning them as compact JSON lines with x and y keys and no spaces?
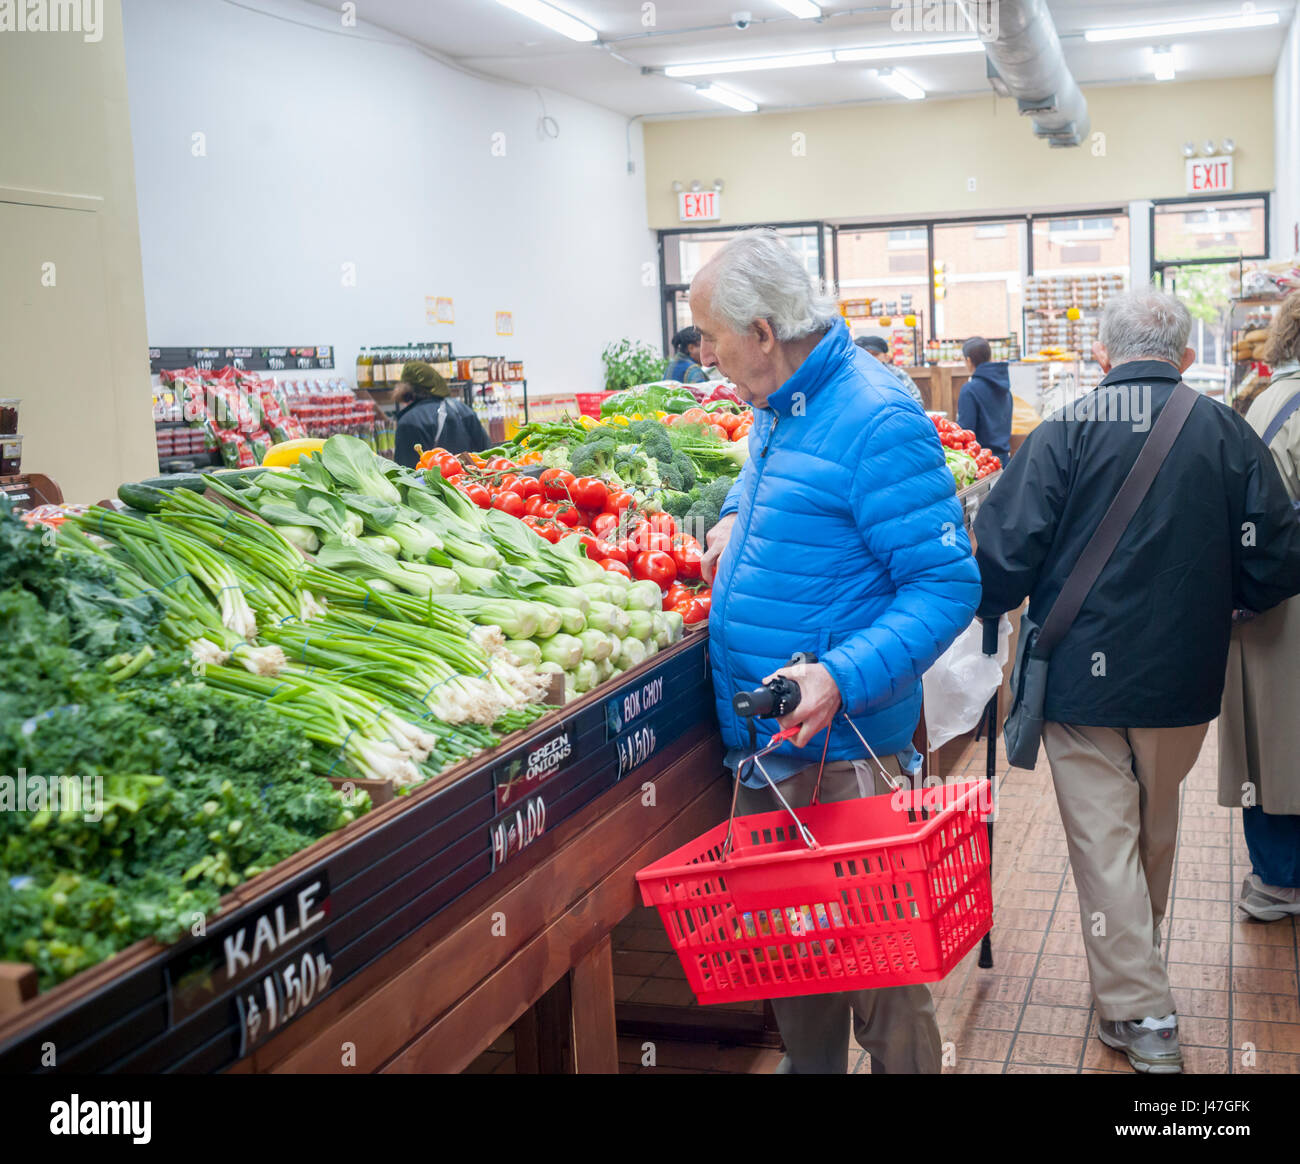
{"x":842,"y":537}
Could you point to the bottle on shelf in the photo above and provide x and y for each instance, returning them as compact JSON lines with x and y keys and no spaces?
{"x":365,"y":372}
{"x":379,"y":369}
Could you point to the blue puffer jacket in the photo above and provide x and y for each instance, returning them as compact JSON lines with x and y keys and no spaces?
{"x":848,"y":542}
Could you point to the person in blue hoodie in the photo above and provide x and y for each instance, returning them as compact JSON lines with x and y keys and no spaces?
{"x":985,"y":404}
{"x":842,"y":537}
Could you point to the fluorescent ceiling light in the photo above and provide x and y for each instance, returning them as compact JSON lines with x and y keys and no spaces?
{"x":748,"y":64}
{"x":1183,"y":27}
{"x":803,"y":9}
{"x":904,"y":86}
{"x":726,"y":97}
{"x":1162,"y":63}
{"x":552,"y":17}
{"x":885,"y":52}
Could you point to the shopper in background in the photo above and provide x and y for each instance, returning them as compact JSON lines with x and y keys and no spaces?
{"x":984,"y":405}
{"x":877,"y":347}
{"x":685,"y":364}
{"x":430,"y":414}
{"x":837,"y":539}
{"x":1259,"y":731}
{"x":1134,"y":682}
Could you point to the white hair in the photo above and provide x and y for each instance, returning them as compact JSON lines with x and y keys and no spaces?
{"x":1145,"y":323}
{"x":757,"y":276}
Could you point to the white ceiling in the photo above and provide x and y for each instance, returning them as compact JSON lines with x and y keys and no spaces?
{"x":484,"y":36}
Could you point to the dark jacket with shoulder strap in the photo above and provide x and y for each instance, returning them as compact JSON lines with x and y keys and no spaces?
{"x":443,"y":422}
{"x":1215,"y":532}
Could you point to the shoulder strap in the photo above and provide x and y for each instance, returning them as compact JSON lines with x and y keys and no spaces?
{"x":1106,"y":537}
{"x":1283,"y":415}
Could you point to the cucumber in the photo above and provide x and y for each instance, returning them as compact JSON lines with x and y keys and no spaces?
{"x":143,"y":497}
{"x":191,"y":481}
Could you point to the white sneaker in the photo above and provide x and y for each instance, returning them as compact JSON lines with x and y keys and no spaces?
{"x":1268,"y":902}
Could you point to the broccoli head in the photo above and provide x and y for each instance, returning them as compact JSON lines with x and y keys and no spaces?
{"x":678,"y":503}
{"x":671,"y":476}
{"x":653,"y":439}
{"x":594,"y":456}
{"x":706,"y":511}
{"x":686,"y":467}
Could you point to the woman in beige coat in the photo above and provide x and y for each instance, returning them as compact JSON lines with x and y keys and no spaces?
{"x":1259,"y":726}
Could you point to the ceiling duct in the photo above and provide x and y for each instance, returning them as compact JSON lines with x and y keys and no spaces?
{"x":1026,"y":62}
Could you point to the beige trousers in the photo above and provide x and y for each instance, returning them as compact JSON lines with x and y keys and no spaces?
{"x":895,"y":1024}
{"x":1117,"y":789}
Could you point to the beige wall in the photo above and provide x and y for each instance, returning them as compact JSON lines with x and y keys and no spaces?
{"x":913,"y":159}
{"x":75,"y":351}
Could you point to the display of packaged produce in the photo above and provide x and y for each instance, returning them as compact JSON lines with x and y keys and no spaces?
{"x":948,"y":351}
{"x":9,"y":416}
{"x":1268,"y":279}
{"x":11,"y":455}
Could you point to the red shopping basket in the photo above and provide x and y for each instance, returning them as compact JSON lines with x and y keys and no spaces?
{"x":882,"y":891}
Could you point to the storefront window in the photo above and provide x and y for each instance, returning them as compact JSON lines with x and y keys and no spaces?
{"x":686,"y":252}
{"x":1193,"y":232}
{"x":980,"y":268}
{"x":888,"y":267}
{"x":1079,"y":246}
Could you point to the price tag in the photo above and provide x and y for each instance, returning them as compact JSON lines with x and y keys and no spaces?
{"x":635,"y":747}
{"x":279,"y":996}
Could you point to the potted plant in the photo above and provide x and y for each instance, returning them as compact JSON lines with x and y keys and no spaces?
{"x":631,"y":362}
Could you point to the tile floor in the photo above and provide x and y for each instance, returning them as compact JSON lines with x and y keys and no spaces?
{"x":1235,"y":982}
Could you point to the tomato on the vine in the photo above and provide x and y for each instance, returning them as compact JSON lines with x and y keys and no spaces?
{"x":477,"y":494}
{"x":589,"y":492}
{"x":556,"y":483}
{"x":568,"y":515}
{"x":543,"y":529}
{"x":616,"y":567}
{"x":655,"y":566}
{"x":528,"y":487}
{"x":510,"y":503}
{"x":533,"y":506}
{"x":603,"y":524}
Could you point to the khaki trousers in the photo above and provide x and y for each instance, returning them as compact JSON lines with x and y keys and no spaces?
{"x":1117,"y":789}
{"x":895,"y":1024}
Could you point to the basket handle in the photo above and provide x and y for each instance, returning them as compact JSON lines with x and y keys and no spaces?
{"x":804,"y":833}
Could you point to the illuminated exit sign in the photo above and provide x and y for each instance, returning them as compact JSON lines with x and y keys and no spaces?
{"x":1209,"y":175}
{"x":706,"y":206}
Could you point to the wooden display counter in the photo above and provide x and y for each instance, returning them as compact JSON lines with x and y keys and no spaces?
{"x":940,"y":385}
{"x":410,"y":939}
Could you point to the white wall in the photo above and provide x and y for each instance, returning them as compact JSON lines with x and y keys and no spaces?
{"x":324,"y":149}
{"x":1286,"y":122}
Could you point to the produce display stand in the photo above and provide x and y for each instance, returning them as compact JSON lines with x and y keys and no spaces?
{"x":940,"y":385}
{"x":413,"y":937}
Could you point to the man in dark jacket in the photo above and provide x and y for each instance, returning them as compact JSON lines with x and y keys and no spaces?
{"x":431,"y":415}
{"x":984,"y":405}
{"x":1138,"y":676}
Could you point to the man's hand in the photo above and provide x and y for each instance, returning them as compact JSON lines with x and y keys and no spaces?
{"x":716,"y":539}
{"x":819,"y":700}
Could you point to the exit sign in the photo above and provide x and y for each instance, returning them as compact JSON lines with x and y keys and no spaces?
{"x":706,"y":206}
{"x":1209,"y":175}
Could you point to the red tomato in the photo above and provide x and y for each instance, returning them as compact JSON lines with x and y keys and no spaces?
{"x":543,"y":529}
{"x":478,"y":495}
{"x":449,"y":467}
{"x":624,"y":550}
{"x":533,"y":506}
{"x":569,"y":516}
{"x":692,"y":612}
{"x":529,"y":487}
{"x":687,"y":561}
{"x":510,"y":503}
{"x":604,"y":523}
{"x":676,"y":593}
{"x":617,"y":551}
{"x":497,"y":463}
{"x":509,"y":481}
{"x":719,"y":432}
{"x":548,"y":509}
{"x":616,"y":567}
{"x":728,"y":420}
{"x":662,"y":523}
{"x":589,"y":492}
{"x":593,"y":545}
{"x":556,"y":482}
{"x":695,"y":416}
{"x":656,"y":566}
{"x":618,"y":500}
